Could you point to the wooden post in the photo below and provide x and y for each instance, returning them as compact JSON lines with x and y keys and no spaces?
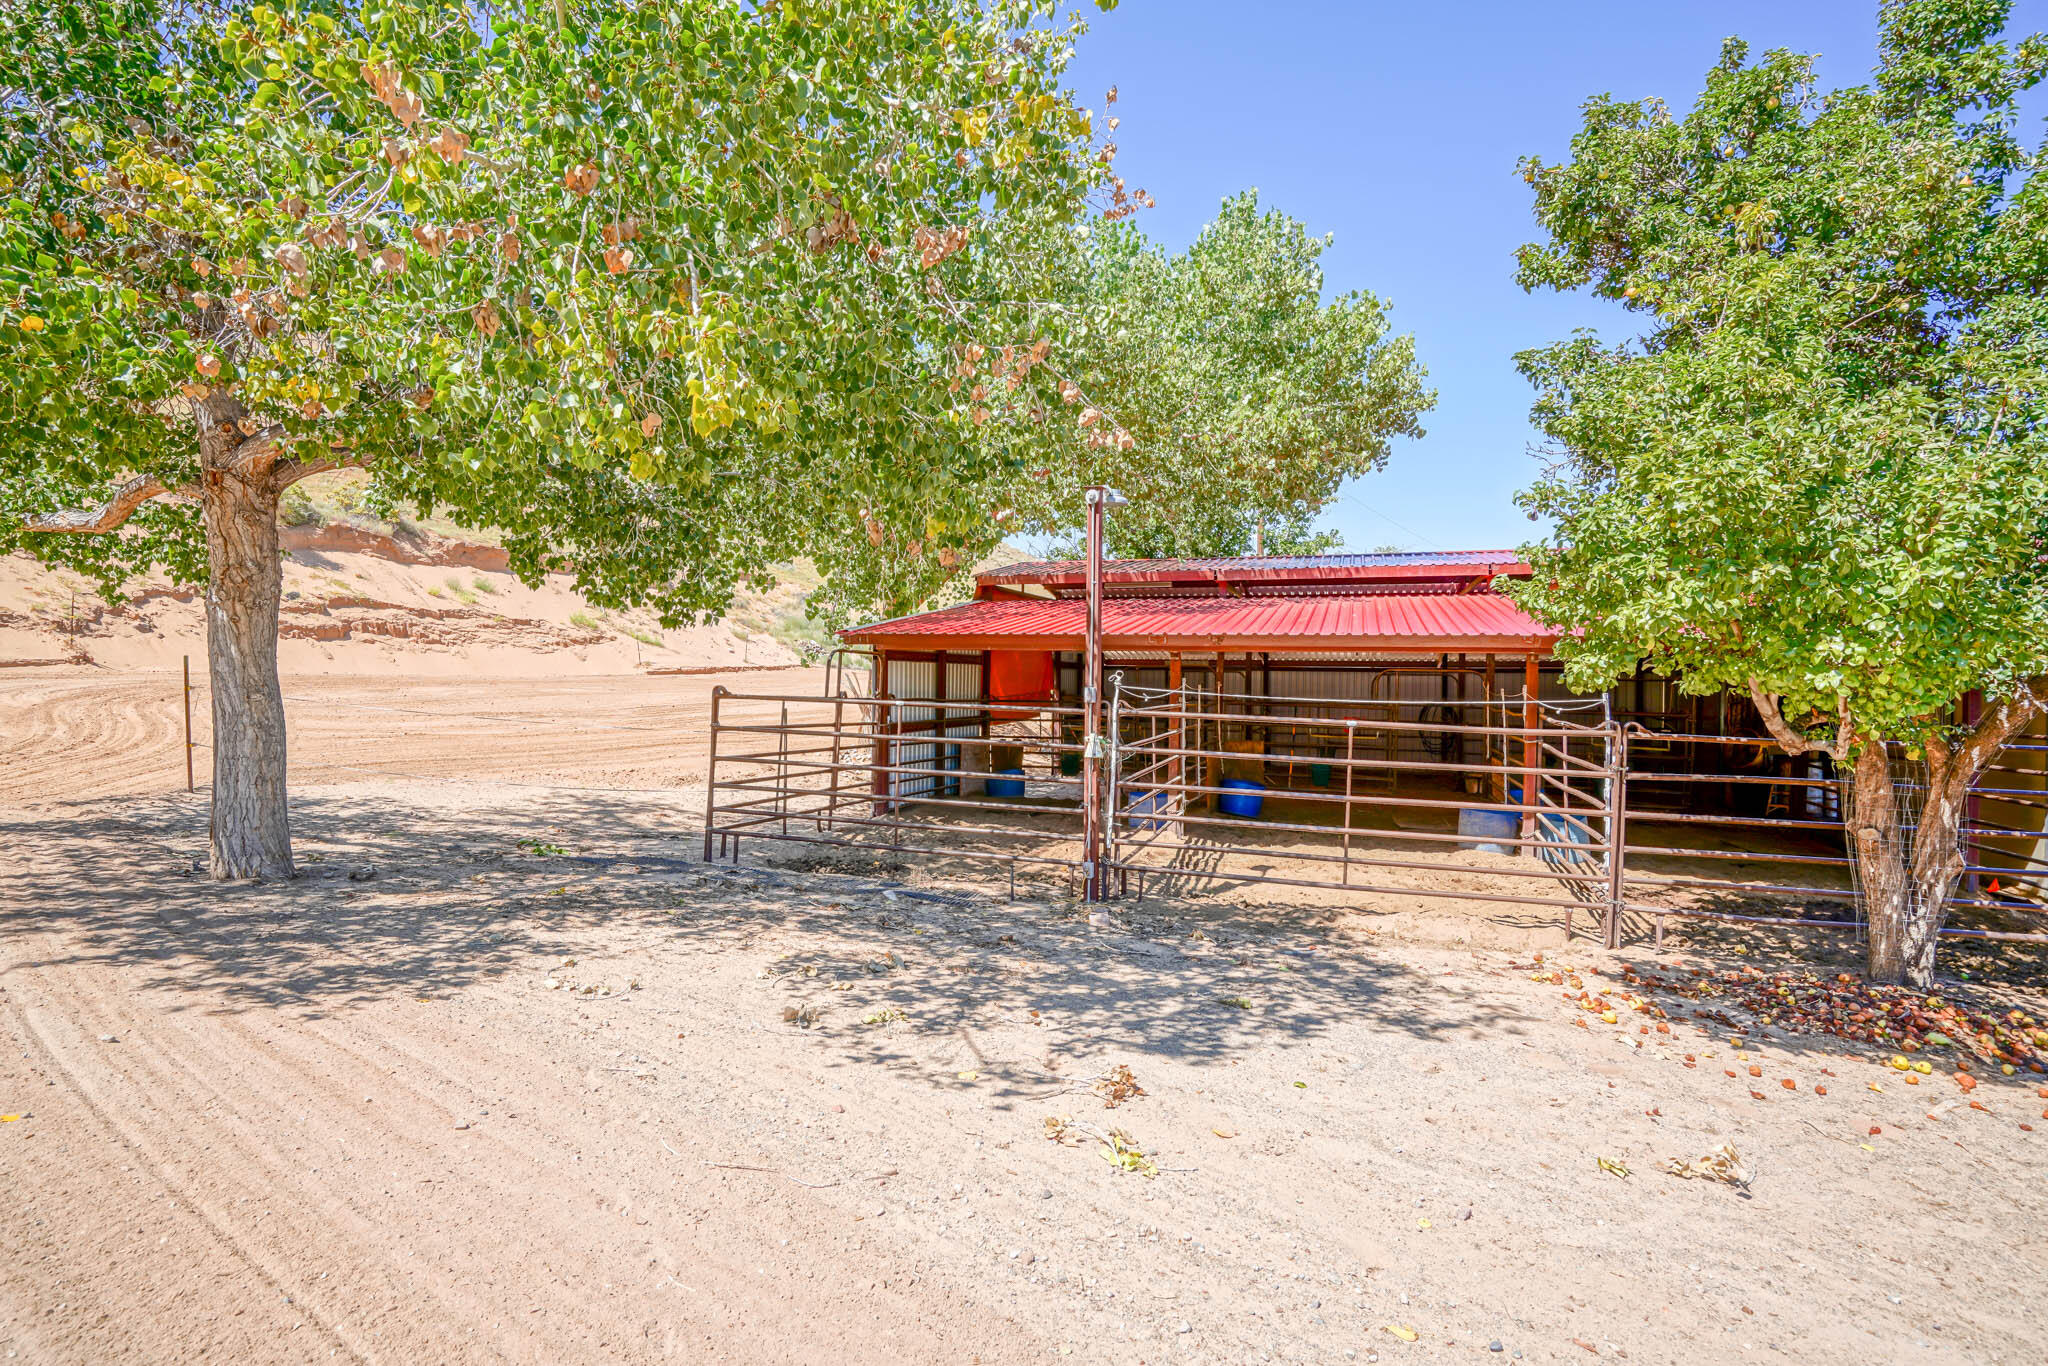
{"x":1530,"y":754}
{"x":879,"y":756}
{"x":188,"y":723}
{"x":1487,"y":712}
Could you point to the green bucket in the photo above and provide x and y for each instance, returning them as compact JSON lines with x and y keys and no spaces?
{"x":1319,"y":774}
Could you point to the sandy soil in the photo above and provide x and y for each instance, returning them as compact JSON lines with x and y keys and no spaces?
{"x":352,"y":608}
{"x":76,"y":732}
{"x":455,"y":1097}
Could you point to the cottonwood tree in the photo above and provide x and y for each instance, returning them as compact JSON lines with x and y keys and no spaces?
{"x":1818,"y":476}
{"x":1217,"y":388}
{"x":663,"y":291}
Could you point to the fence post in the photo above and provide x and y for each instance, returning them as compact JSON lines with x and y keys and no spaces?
{"x":188,"y":723}
{"x":711,"y":772}
{"x":1617,"y":834}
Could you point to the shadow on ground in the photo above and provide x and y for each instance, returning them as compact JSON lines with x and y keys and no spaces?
{"x":462,"y":895}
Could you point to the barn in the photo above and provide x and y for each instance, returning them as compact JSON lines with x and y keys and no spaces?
{"x":1334,"y":720}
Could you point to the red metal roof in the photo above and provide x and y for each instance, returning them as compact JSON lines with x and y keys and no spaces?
{"x":1438,"y":565}
{"x":1423,"y":622}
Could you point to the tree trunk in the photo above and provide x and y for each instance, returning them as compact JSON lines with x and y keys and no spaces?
{"x":251,"y":833}
{"x":1908,"y":875}
{"x":1901,"y":943}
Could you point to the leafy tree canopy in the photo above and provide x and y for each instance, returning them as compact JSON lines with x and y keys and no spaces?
{"x":664,"y":291}
{"x":1216,"y":388}
{"x":1819,"y":473}
{"x":1820,"y":468}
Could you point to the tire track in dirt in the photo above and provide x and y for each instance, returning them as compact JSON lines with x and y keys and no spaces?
{"x":88,"y":735}
{"x":210,"y":1100}
{"x":58,"y":1038}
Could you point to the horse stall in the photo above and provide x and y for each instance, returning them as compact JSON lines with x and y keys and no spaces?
{"x":1371,"y":723}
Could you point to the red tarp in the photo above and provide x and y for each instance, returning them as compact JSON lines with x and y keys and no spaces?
{"x":1019,"y":676}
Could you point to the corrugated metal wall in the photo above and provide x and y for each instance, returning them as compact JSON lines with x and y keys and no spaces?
{"x":919,"y":678}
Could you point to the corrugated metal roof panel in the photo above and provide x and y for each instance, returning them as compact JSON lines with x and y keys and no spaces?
{"x":1211,"y":563}
{"x":1418,"y":565}
{"x":1417,"y":620}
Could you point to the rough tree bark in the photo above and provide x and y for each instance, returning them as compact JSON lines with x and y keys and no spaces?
{"x":242,"y":473}
{"x":251,"y":828}
{"x":1908,"y":875}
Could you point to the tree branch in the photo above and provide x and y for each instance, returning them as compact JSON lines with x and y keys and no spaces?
{"x":285,"y":473}
{"x":1790,"y":740}
{"x":1993,"y":730}
{"x":109,"y":515}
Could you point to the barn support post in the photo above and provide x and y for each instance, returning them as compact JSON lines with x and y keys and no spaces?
{"x":882,"y":723}
{"x":1487,"y":712}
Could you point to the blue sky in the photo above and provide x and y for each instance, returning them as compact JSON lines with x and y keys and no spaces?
{"x":1396,"y":127}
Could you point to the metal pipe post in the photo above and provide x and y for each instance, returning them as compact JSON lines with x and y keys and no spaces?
{"x":1091,"y":708}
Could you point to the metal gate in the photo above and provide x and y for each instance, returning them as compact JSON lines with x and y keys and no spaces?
{"x":1191,"y":773}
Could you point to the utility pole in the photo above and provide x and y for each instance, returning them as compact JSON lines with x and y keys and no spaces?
{"x":1093,"y":750}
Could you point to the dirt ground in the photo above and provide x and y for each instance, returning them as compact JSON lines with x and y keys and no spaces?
{"x":508,"y":1075}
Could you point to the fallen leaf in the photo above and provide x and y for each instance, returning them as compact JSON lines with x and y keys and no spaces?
{"x":1422,"y":1223}
{"x":1402,"y":1331}
{"x":1723,"y":1164}
{"x":1788,"y":1084}
{"x":9,"y":1119}
{"x":1224,"y":1133}
{"x":969,"y":1076}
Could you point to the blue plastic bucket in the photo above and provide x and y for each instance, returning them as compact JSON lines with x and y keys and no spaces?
{"x":1146,"y":810}
{"x":1245,"y":799}
{"x":1483,"y":825}
{"x":1009,"y":785}
{"x":1565,"y":831}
